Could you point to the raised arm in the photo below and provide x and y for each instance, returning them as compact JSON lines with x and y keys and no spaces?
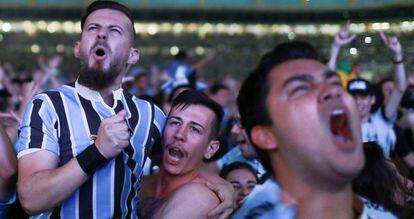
{"x":393,"y":102}
{"x":341,"y":39}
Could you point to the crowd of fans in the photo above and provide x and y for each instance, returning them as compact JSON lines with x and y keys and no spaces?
{"x":384,"y":105}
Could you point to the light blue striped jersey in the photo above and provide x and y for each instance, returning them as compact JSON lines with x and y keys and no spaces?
{"x":63,"y":120}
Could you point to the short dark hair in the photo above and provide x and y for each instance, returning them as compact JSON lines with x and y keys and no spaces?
{"x":192,"y":97}
{"x":113,"y":5}
{"x":237,"y":166}
{"x":251,"y":100}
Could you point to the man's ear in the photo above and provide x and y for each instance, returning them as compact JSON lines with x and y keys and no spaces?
{"x":212,"y":148}
{"x":133,"y":56}
{"x":263,"y":138}
{"x":76,"y":49}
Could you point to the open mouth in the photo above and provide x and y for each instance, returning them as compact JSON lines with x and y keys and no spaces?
{"x":100,"y":52}
{"x":339,"y":125}
{"x":175,"y":153}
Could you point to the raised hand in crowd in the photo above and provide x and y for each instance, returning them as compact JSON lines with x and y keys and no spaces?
{"x":342,"y":38}
{"x":393,"y":44}
{"x":49,"y":68}
{"x":11,"y":119}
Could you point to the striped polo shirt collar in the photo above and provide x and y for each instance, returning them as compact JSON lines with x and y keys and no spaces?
{"x":93,"y":95}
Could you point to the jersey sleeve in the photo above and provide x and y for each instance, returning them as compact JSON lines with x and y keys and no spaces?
{"x":39,"y":128}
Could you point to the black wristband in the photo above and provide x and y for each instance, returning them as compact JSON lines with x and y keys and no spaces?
{"x":90,"y":159}
{"x":398,"y":61}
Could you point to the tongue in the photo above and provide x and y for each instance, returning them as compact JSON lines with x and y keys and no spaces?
{"x":339,"y":126}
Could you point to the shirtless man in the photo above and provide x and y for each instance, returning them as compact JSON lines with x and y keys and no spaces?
{"x":190,"y":134}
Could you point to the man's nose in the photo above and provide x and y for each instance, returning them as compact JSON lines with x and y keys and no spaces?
{"x":329,"y":92}
{"x":181,"y":133}
{"x":102,"y":34}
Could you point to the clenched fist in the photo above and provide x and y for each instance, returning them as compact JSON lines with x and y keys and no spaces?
{"x":113,"y":135}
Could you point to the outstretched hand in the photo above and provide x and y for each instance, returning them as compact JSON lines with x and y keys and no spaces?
{"x":391,"y":42}
{"x":344,"y":37}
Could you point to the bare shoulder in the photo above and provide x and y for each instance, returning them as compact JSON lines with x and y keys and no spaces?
{"x":193,"y":200}
{"x":200,"y":191}
{"x":196,"y":193}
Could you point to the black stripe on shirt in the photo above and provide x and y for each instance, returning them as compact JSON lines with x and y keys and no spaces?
{"x":36,"y":132}
{"x":86,"y":190}
{"x":133,"y":121}
{"x":119,"y":175}
{"x":65,"y":144}
{"x":119,"y":184}
{"x":132,"y":109}
{"x":132,"y":193}
{"x":86,"y":200}
{"x":55,"y":213}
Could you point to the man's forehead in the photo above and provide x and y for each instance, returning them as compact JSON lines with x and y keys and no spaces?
{"x":295,"y":67}
{"x":108,"y":15}
{"x":197,"y":112}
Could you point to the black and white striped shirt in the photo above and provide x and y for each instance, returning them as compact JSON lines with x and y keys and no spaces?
{"x":63,"y":120}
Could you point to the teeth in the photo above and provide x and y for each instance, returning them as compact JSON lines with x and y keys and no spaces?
{"x":337,"y":112}
{"x":177,"y":154}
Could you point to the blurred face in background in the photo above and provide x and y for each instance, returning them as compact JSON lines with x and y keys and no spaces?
{"x":223,"y":97}
{"x":240,"y":137}
{"x":364,"y":104}
{"x":243,"y":181}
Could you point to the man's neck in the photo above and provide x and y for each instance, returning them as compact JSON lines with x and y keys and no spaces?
{"x":316,"y":201}
{"x":108,"y":95}
{"x":317,"y":204}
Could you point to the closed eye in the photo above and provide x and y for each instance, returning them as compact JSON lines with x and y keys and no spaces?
{"x":116,"y":30}
{"x":173,"y":122}
{"x":195,"y":129}
{"x":299,"y":89}
{"x":336,"y":82}
{"x":92,"y":27}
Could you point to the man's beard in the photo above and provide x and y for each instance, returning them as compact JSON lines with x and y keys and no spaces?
{"x":96,"y":78}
